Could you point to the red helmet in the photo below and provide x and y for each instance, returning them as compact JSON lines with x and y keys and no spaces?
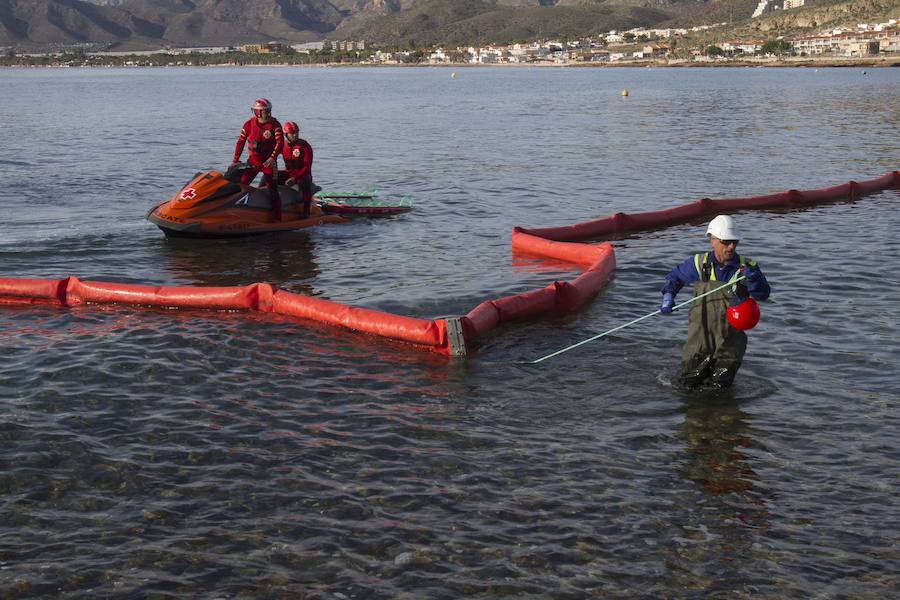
{"x":744,"y":315}
{"x":290,"y":127}
{"x":261,"y":104}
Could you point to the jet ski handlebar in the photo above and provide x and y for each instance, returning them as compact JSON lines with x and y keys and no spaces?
{"x":233,"y":172}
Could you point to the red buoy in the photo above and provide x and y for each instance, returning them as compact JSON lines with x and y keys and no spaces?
{"x":743,"y":316}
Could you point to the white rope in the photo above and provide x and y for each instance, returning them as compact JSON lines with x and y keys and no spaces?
{"x":638,"y":320}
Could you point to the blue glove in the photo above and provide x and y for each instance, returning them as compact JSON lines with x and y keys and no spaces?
{"x":752,"y":272}
{"x":668,"y":302}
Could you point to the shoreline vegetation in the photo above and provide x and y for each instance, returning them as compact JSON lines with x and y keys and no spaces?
{"x":164,"y":61}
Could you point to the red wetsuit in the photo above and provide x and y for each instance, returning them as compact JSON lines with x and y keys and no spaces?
{"x":265,"y":140}
{"x":298,"y":158}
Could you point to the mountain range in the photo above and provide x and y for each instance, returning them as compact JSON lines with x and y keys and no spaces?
{"x":152,"y":24}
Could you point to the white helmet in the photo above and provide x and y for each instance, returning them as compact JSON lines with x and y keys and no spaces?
{"x":723,"y":227}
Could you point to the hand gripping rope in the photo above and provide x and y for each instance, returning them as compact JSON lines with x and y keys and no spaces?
{"x":638,"y":320}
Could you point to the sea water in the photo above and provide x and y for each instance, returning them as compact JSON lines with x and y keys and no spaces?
{"x":171,"y":453}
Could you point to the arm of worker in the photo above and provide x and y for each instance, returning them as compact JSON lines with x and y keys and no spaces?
{"x":239,"y":146}
{"x":682,"y":275}
{"x":756,"y":283}
{"x":279,"y":144}
{"x":292,"y":175}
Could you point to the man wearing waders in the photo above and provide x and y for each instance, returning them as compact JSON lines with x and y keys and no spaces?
{"x":713,"y":351}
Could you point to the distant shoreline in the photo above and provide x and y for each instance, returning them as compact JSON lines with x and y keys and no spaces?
{"x":870,"y":61}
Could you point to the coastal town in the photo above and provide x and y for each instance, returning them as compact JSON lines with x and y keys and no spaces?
{"x":641,"y":44}
{"x":700,"y":45}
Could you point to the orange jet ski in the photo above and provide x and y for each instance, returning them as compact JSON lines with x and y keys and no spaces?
{"x":213,"y":204}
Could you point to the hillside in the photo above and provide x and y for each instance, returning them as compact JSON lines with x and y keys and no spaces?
{"x":46,"y":22}
{"x":478,"y":21}
{"x":151,"y":24}
{"x":813,"y":13}
{"x":816,"y":16}
{"x":825,"y":14}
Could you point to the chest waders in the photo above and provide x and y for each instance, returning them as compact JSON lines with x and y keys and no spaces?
{"x":713,"y":350}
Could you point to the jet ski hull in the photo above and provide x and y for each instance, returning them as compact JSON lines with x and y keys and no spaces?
{"x":211,"y":206}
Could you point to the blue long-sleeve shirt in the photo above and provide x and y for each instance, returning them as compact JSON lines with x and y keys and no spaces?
{"x":686,"y":274}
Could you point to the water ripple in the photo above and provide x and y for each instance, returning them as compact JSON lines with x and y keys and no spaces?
{"x":158,"y":453}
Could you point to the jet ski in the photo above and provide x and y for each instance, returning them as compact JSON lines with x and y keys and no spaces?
{"x":213,"y":204}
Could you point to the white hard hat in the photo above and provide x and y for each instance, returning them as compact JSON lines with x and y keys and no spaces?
{"x":723,"y":227}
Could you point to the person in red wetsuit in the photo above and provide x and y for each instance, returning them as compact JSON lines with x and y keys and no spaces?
{"x":298,"y":156}
{"x":263,"y":133}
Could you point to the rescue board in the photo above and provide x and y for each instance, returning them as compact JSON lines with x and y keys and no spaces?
{"x":367,"y":203}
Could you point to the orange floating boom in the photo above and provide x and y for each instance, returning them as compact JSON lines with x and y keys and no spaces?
{"x":452,"y":336}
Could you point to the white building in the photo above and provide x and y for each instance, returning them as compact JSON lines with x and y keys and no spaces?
{"x":488,"y":56}
{"x":764,"y":6}
{"x":308,"y":47}
{"x":438,"y":56}
{"x":767,"y":6}
{"x":666,"y":33}
{"x":863,"y":43}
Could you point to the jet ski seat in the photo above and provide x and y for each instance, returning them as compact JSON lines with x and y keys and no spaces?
{"x":259,"y":198}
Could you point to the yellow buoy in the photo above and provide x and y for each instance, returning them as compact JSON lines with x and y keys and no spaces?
{"x":453,"y":75}
{"x":624,"y":92}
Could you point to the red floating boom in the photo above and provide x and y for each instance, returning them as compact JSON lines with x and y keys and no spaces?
{"x":446,"y":336}
{"x":620,"y":223}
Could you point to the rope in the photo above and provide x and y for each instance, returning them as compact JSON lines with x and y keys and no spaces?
{"x":638,"y":320}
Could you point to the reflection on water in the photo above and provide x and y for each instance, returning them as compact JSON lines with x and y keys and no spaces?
{"x":716,"y":433}
{"x":287,"y":261}
{"x":721,"y":516}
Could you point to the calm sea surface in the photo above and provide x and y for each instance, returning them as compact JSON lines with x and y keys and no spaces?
{"x":173,"y":454}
